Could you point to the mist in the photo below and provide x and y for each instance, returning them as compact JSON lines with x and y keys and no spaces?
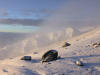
{"x":73,"y":18}
{"x":75,"y":14}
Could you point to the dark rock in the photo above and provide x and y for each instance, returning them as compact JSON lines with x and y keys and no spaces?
{"x":79,"y":63}
{"x":97,"y":44}
{"x":26,"y":58}
{"x":35,"y":53}
{"x":59,"y":57}
{"x":50,"y":56}
{"x":4,"y":70}
{"x":66,"y":44}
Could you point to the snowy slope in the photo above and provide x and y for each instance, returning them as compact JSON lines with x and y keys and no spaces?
{"x":81,"y":49}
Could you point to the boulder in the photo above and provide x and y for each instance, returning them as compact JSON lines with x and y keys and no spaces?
{"x":50,"y":56}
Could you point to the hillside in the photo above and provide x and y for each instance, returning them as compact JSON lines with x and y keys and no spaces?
{"x":81,"y":49}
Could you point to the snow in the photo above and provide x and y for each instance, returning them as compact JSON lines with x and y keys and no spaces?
{"x":80,"y":49}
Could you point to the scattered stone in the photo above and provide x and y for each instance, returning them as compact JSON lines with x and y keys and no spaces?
{"x":59,"y":74}
{"x":49,"y":63}
{"x":95,"y":45}
{"x":22,"y":66}
{"x":89,"y":69}
{"x":97,"y":68}
{"x":10,"y":58}
{"x":26,"y":58}
{"x":59,"y":57}
{"x":88,"y":45}
{"x":4,"y":70}
{"x":35,"y":53}
{"x":77,"y":40}
{"x":79,"y":63}
{"x":66,"y":44}
{"x":50,"y":56}
{"x":81,"y":59}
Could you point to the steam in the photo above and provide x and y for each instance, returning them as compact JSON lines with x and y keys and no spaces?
{"x":72,"y":18}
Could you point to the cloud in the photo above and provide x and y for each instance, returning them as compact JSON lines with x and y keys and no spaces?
{"x":39,"y":12}
{"x":75,"y":14}
{"x":30,"y":22}
{"x":3,"y":12}
{"x":46,"y":10}
{"x":28,"y":12}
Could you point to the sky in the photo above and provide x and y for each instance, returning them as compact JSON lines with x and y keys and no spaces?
{"x":28,"y":10}
{"x":25,"y":13}
{"x":44,"y":12}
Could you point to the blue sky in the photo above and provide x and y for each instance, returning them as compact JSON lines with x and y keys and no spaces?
{"x":35,"y":12}
{"x":25,"y":13}
{"x":28,"y":9}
